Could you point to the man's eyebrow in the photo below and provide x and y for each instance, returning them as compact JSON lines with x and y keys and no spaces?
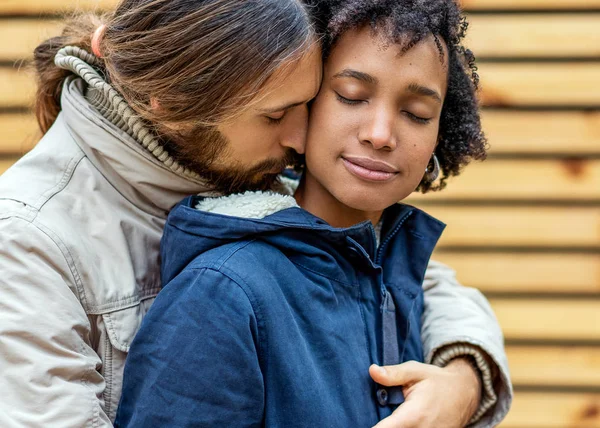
{"x":355,"y":74}
{"x":283,"y":107}
{"x":423,"y":90}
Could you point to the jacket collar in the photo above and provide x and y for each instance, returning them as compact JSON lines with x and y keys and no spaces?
{"x":132,"y":169}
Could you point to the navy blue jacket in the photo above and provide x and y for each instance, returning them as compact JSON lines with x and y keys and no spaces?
{"x":275,"y":321}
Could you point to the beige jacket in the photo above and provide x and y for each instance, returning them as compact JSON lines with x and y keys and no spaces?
{"x":81,"y":217}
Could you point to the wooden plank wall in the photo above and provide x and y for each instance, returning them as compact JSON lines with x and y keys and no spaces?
{"x":524,"y":226}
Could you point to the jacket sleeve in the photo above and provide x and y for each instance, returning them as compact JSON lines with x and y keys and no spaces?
{"x":195,"y":360}
{"x":48,"y":368}
{"x":459,"y":321}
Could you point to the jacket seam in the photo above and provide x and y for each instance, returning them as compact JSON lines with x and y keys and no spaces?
{"x":63,"y":250}
{"x":254,"y":304}
{"x":68,"y":258}
{"x":323,"y":275}
{"x":237,"y":247}
{"x":62,"y":183}
{"x":84,"y":379}
{"x":124,"y":303}
{"x":95,"y":403}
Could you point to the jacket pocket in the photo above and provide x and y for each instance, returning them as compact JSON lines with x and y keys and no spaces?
{"x":117,"y":331}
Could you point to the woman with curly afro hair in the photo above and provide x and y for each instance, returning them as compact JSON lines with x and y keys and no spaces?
{"x":406,"y":24}
{"x":287,"y":318}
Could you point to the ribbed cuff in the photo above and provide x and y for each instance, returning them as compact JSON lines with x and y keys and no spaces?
{"x":488,"y":396}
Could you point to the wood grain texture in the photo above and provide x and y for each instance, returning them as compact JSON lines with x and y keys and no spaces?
{"x":19,"y":37}
{"x":558,"y":366}
{"x":516,"y":5}
{"x":548,"y":319}
{"x":17,"y":87}
{"x":515,"y":272}
{"x":491,"y":226}
{"x":534,"y":35}
{"x":540,"y":84}
{"x":37,"y":7}
{"x":554,"y":410}
{"x":523,"y":179}
{"x":568,"y":133}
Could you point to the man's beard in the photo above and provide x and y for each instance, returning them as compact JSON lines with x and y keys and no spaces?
{"x":200,"y":149}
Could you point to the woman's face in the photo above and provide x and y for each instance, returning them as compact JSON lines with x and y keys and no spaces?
{"x":374,"y":124}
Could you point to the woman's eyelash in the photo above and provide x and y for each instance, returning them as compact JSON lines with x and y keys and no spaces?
{"x":347,"y":100}
{"x":418,"y":119}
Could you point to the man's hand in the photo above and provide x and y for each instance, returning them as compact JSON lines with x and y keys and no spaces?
{"x":435,"y":397}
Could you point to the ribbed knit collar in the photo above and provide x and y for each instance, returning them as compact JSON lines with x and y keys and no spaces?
{"x":117,"y":142}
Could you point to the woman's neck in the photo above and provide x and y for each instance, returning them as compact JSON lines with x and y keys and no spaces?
{"x":317,"y":200}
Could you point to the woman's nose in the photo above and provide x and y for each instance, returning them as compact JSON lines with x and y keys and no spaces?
{"x":378,"y":130}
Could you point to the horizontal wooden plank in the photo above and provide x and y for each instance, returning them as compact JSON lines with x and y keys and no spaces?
{"x":570,"y":366}
{"x":526,"y":272}
{"x":19,"y":133}
{"x":527,"y":180}
{"x":17,"y":87}
{"x":21,"y":36}
{"x":540,"y":84}
{"x":530,"y":4}
{"x":37,"y":7}
{"x":553,"y":410}
{"x":529,"y":35}
{"x":53,"y":6}
{"x":534,"y":35}
{"x":491,"y":226}
{"x":549,"y":319}
{"x":555,"y":132}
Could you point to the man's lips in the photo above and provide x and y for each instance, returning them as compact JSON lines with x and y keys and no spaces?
{"x":369,"y":169}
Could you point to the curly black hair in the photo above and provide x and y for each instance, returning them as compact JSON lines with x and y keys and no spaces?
{"x":406,"y":23}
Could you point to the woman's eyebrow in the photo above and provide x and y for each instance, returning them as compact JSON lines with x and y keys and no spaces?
{"x":417,"y":89}
{"x":355,"y":74}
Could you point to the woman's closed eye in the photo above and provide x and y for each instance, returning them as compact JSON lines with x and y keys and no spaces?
{"x":418,"y":119}
{"x":346,"y":100}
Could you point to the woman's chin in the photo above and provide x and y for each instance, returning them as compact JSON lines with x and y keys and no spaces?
{"x":366,"y":202}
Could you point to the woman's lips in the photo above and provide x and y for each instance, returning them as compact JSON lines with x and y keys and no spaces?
{"x":369,"y":169}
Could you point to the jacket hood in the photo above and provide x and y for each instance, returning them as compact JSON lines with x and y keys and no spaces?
{"x":199,"y":224}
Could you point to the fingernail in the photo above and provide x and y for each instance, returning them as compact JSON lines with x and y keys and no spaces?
{"x":380,"y":369}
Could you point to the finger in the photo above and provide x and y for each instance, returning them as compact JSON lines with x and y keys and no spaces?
{"x":399,"y":374}
{"x":405,"y":416}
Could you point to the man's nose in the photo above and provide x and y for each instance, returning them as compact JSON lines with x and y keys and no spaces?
{"x":294,"y":134}
{"x":378,"y":130}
